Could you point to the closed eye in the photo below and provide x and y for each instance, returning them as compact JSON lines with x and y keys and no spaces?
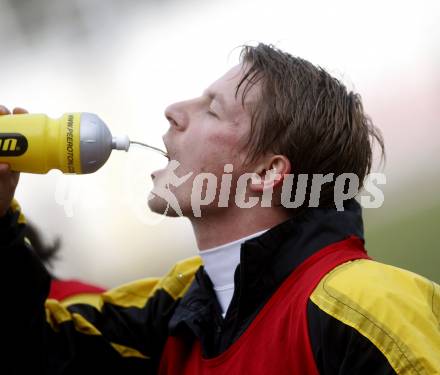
{"x":211,"y":113}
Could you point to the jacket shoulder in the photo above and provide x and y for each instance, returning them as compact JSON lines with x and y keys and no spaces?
{"x":180,"y":277}
{"x":397,"y":310}
{"x":175,"y":283}
{"x":118,"y":316}
{"x":135,"y":294}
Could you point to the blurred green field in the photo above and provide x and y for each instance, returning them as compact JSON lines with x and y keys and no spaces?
{"x":406,"y":237}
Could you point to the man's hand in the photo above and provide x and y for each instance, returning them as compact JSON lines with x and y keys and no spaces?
{"x":8,"y":179}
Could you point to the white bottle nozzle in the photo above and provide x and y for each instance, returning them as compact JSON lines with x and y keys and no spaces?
{"x":163,"y":153}
{"x":121,"y":143}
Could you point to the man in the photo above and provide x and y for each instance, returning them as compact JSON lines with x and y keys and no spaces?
{"x":285,"y":289}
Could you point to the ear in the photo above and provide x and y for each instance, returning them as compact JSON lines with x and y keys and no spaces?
{"x":270,"y":173}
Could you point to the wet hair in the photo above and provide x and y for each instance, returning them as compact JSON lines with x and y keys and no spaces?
{"x":307,"y":115}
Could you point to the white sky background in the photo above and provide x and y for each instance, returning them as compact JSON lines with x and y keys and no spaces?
{"x":128,"y":64}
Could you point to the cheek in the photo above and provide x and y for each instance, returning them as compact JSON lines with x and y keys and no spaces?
{"x":218,"y":150}
{"x":208,"y":149}
{"x":229,"y":143}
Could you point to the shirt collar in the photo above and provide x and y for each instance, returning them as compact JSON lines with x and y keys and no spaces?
{"x":221,"y":261}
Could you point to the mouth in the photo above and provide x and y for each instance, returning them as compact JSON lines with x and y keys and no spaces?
{"x":165,"y":153}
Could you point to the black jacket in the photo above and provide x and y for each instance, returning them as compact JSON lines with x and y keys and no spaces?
{"x":124,"y":330}
{"x":265,"y":262}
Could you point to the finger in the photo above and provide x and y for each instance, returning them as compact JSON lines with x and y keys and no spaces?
{"x":19,"y":111}
{"x":4,"y":168}
{"x":4,"y":110}
{"x":15,"y":176}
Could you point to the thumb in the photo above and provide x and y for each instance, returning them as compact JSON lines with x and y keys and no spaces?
{"x":19,"y":111}
{"x":4,"y":110}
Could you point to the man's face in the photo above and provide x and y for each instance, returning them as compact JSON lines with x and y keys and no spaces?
{"x":205,"y":133}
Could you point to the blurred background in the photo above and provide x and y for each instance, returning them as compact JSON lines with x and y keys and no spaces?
{"x":127,"y":60}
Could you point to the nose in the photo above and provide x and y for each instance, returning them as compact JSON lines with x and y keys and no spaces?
{"x":177,"y":116}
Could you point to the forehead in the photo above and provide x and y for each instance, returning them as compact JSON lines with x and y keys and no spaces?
{"x":226,"y":86}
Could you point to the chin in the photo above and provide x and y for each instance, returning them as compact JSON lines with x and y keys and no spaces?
{"x":160,"y":206}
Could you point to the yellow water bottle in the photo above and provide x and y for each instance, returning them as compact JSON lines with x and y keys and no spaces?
{"x":76,"y":143}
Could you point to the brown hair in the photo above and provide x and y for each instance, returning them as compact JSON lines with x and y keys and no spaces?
{"x":46,"y":253}
{"x":307,"y":115}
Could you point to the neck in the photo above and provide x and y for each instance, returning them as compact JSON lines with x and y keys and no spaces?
{"x":212,"y":230}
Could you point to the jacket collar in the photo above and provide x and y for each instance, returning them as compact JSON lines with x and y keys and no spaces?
{"x":265,"y":261}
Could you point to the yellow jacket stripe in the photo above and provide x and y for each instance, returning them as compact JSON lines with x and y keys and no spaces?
{"x":132,"y":295}
{"x":395,"y":309}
